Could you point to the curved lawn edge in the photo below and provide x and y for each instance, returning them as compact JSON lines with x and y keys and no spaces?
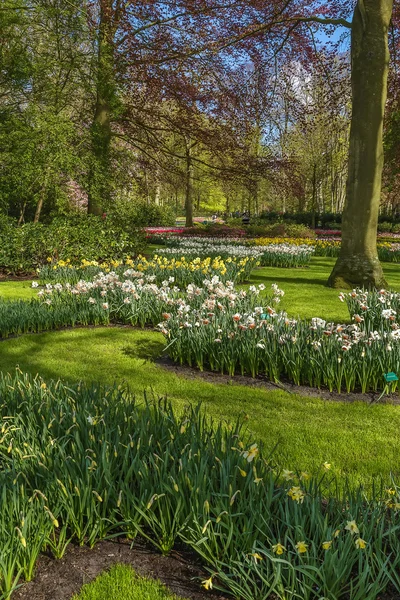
{"x":360,"y":440}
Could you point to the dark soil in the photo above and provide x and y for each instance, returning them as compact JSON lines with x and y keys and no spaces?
{"x":24,"y":277}
{"x":61,"y":579}
{"x":262,"y":382}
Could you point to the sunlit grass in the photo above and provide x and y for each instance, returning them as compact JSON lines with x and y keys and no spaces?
{"x":361,"y":441}
{"x":306,"y":292}
{"x":121,"y":583}
{"x":12,"y":290}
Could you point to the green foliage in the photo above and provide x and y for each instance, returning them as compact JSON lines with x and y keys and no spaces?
{"x":112,"y":465}
{"x":385,"y":226}
{"x":132,"y":213}
{"x":280,"y":230}
{"x":121,"y":583}
{"x":25,"y":248}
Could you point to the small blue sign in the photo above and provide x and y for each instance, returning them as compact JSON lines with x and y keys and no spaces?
{"x":265,"y":316}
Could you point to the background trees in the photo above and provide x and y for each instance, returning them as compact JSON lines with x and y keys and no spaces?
{"x":227,"y":106}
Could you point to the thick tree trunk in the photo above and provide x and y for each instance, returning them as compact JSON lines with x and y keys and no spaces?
{"x":100,"y":168}
{"x":358,"y":263}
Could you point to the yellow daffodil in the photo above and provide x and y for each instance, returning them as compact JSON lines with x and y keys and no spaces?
{"x":256,"y":557}
{"x":360,"y":544}
{"x":287,"y":475}
{"x":327,"y":545}
{"x":301,"y":547}
{"x":296,"y":494}
{"x":207,"y":584}
{"x":278,"y":549}
{"x":327,"y":466}
{"x":251,"y":454}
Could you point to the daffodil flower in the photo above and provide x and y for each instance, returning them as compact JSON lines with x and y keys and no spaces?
{"x":352,"y":527}
{"x":327,"y":545}
{"x":278,"y":548}
{"x":207,"y":584}
{"x":301,"y":547}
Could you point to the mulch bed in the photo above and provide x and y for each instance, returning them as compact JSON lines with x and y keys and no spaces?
{"x":61,"y":579}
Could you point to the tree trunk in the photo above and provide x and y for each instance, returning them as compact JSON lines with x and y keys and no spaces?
{"x":22,"y":214}
{"x":39,"y":206}
{"x":188,"y":187}
{"x":100,"y":170}
{"x":358,"y":263}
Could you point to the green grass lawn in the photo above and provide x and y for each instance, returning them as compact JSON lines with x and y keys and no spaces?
{"x":359,"y":440}
{"x":12,"y":290}
{"x":306,"y":292}
{"x":121,"y":583}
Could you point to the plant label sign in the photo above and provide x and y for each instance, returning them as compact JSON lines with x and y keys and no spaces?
{"x":390,"y":377}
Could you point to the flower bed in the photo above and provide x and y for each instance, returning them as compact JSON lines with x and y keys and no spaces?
{"x":87,"y":462}
{"x":219,"y":327}
{"x":254,"y":339}
{"x":275,"y":255}
{"x":178,"y":268}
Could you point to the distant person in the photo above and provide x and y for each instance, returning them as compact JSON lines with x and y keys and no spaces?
{"x":214,"y":218}
{"x":245,"y":218}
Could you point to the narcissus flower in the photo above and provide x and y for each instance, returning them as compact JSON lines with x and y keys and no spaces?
{"x":250,"y":454}
{"x":327,"y":545}
{"x":296,"y":494}
{"x":287,"y":475}
{"x":207,"y":584}
{"x":360,"y":544}
{"x":278,"y":548}
{"x":256,"y":557}
{"x":352,"y":527}
{"x":301,"y":547}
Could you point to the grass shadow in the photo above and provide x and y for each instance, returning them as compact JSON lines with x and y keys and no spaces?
{"x":148,"y":350}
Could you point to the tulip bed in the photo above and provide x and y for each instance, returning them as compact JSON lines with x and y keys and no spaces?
{"x":226,"y":329}
{"x":82,"y":463}
{"x":283,"y":255}
{"x":330,"y":247}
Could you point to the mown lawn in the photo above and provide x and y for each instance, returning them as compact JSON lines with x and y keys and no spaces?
{"x":306,"y":292}
{"x":121,"y":583}
{"x":358,"y":439}
{"x":11,"y":290}
{"x":361,"y":441}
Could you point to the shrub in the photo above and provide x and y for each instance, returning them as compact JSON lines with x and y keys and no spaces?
{"x":385,"y":226}
{"x":282,"y":230}
{"x":25,"y":248}
{"x":128,"y":215}
{"x":234,"y":222}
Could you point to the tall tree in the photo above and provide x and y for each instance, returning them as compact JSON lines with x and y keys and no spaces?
{"x":358,"y":263}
